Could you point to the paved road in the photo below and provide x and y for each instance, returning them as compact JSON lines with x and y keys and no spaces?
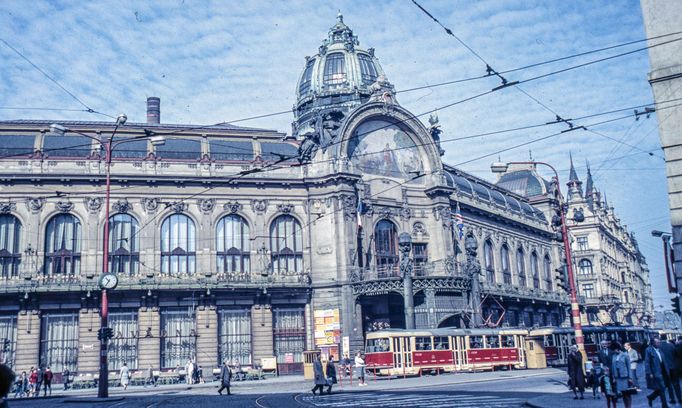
{"x":484,"y":390}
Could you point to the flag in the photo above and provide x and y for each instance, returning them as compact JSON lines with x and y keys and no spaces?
{"x":358,"y":212}
{"x":459,"y":222}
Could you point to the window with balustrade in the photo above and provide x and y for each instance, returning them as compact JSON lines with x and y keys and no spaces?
{"x":124,"y":245}
{"x":10,"y":239}
{"x":489,"y":261}
{"x":521,"y":267}
{"x":178,"y":245}
{"x":386,"y":248}
{"x":286,"y":245}
{"x":234,"y":336}
{"x":535,"y":270}
{"x":59,"y":341}
{"x":506,"y":267}
{"x":123,"y":347}
{"x":233,"y":247}
{"x":63,"y":245}
{"x":178,"y":337}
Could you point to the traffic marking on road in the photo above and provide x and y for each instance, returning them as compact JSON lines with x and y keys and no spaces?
{"x":395,"y":400}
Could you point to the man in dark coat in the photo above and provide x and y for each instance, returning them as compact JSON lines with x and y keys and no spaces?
{"x":576,"y":375}
{"x":330,"y":373}
{"x":320,"y":380}
{"x":225,"y":377}
{"x":653,"y":367}
{"x":604,"y":354}
{"x":667,"y":349}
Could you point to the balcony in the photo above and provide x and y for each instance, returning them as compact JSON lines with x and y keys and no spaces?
{"x":386,"y":272}
{"x":500,"y":289}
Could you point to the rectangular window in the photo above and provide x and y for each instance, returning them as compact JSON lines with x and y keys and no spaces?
{"x":582,"y":243}
{"x":123,"y":347}
{"x":235,"y":336}
{"x":59,"y":341}
{"x":422,"y":343}
{"x":377,"y":346}
{"x":492,"y":342}
{"x":440,"y":343}
{"x":508,"y":341}
{"x":8,"y":337}
{"x":588,"y":290}
{"x":421,"y":257}
{"x":289,"y":334}
{"x":178,"y":337}
{"x":475,"y":342}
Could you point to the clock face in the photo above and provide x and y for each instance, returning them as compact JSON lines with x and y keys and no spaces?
{"x":108,"y":281}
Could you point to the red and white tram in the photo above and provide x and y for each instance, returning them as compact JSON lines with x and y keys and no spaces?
{"x":410,"y":352}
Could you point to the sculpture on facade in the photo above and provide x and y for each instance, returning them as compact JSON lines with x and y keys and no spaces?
{"x":435,"y":132}
{"x":404,"y":247}
{"x":472,"y":267}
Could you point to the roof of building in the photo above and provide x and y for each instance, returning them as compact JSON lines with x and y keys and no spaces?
{"x":525,"y":182}
{"x":185,"y":127}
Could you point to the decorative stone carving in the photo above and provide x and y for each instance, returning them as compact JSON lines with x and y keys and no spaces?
{"x":35,"y":204}
{"x":320,"y":132}
{"x":122,"y":206}
{"x":382,"y":91}
{"x":435,"y":132}
{"x":93,"y":204}
{"x":405,"y":213}
{"x":472,"y":267}
{"x":178,"y":206}
{"x":419,"y":228}
{"x":206,"y":205}
{"x":233,"y":207}
{"x":150,"y":204}
{"x":349,"y":204}
{"x":259,"y":206}
{"x":305,"y":279}
{"x":386,"y":212}
{"x":450,"y":265}
{"x":404,"y":247}
{"x":64,"y":206}
{"x":285,"y":208}
{"x":444,"y":214}
{"x":6,"y":208}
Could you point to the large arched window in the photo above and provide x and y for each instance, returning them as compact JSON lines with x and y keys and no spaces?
{"x":307,"y":77}
{"x":535,"y":270}
{"x":335,"y":69}
{"x":63,"y":245}
{"x":124,"y":247}
{"x":10,"y":237}
{"x":367,"y":69}
{"x":521,"y":267}
{"x":585,"y":267}
{"x":506,"y":268}
{"x":386,"y":247}
{"x":286,"y":244}
{"x":232,"y":246}
{"x":489,"y":263}
{"x":178,"y":246}
{"x":548,"y":273}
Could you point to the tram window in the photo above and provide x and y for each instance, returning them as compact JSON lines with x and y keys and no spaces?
{"x":548,"y":341}
{"x":377,"y":345}
{"x":508,"y":341}
{"x":591,"y":338}
{"x":475,"y":342}
{"x":492,"y":342}
{"x":422,"y":343}
{"x":440,"y":343}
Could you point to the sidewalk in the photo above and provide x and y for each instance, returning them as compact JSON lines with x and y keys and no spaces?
{"x":565,"y":400}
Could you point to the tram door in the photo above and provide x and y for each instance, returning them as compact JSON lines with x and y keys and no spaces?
{"x":459,"y":352}
{"x":402,"y":353}
{"x":562,"y":342}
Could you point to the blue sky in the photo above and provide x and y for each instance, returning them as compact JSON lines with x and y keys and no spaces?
{"x":222,"y":61}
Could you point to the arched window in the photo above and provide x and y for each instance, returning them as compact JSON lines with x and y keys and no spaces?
{"x":626,"y":297}
{"x":124,"y":247}
{"x":304,"y":86}
{"x":535,"y":270}
{"x":335,"y":69}
{"x":367,"y":69}
{"x":232,"y":246}
{"x":506,"y":268}
{"x":178,"y":246}
{"x":548,"y":273}
{"x":286,"y":244}
{"x":489,"y":264}
{"x":63,"y":245}
{"x":585,"y":267}
{"x":10,"y":237}
{"x":521,"y":267}
{"x":386,"y":247}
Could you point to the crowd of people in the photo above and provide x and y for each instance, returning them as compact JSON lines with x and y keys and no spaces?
{"x":614,"y":373}
{"x":327,"y":375}
{"x":30,"y":384}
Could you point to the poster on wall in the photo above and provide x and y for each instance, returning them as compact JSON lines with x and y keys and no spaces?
{"x":328,"y":331}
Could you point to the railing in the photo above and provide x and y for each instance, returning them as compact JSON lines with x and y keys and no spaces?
{"x":524,"y":292}
{"x":436,"y":268}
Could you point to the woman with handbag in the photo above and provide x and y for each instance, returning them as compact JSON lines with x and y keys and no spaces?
{"x":620,"y":373}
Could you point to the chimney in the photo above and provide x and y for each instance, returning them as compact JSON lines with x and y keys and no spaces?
{"x":153,"y":110}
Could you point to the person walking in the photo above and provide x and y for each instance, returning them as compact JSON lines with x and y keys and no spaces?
{"x":150,"y":377}
{"x":39,"y":383}
{"x":47,"y":381}
{"x":606,"y":387}
{"x":634,"y":360}
{"x":360,"y":366}
{"x":576,"y":375}
{"x":318,"y":375}
{"x":667,"y":349}
{"x":225,"y":378}
{"x":65,"y":378}
{"x":22,"y":385}
{"x":621,"y":374}
{"x":32,"y":381}
{"x":654,"y":369}
{"x":330,"y":373}
{"x":199,"y":376}
{"x":125,"y":376}
{"x":604,"y":354}
{"x":189,"y":372}
{"x":596,"y":373}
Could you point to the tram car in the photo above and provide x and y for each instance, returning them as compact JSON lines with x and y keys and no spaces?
{"x":412,"y":352}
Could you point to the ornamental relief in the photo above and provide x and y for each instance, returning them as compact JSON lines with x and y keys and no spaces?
{"x":349,"y":205}
{"x":232,"y":207}
{"x":285,"y":208}
{"x":150,"y":204}
{"x":35,"y":204}
{"x":206,"y":205}
{"x":122,"y":206}
{"x":259,"y":206}
{"x":6,"y":208}
{"x":64,"y":206}
{"x":419,"y":229}
{"x":178,"y":207}
{"x":93,"y":204}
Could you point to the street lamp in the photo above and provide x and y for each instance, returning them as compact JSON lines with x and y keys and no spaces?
{"x":665,"y":237}
{"x":575,"y":309}
{"x":107,"y":280}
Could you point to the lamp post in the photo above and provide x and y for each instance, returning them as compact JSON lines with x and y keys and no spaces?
{"x":670,"y":276}
{"x":106,"y":281}
{"x":575,"y":309}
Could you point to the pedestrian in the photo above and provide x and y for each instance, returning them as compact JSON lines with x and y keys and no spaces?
{"x":634,"y":359}
{"x":346,"y":365}
{"x":6,"y":379}
{"x":606,"y":388}
{"x":47,"y":381}
{"x":654,"y":369}
{"x":65,"y":378}
{"x":189,"y":372}
{"x":621,"y":374}
{"x":318,"y":375}
{"x":576,"y":375}
{"x":125,"y":376}
{"x":225,"y":378}
{"x":200,"y":375}
{"x":595,"y":375}
{"x":150,"y":377}
{"x":21,"y":385}
{"x":32,"y":381}
{"x":330,"y":373}
{"x":360,"y":366}
{"x":667,"y":349}
{"x":39,"y":383}
{"x":604,"y":354}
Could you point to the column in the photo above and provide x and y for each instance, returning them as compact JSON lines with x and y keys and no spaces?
{"x":261,"y":332}
{"x":149,"y":342}
{"x":28,"y":340}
